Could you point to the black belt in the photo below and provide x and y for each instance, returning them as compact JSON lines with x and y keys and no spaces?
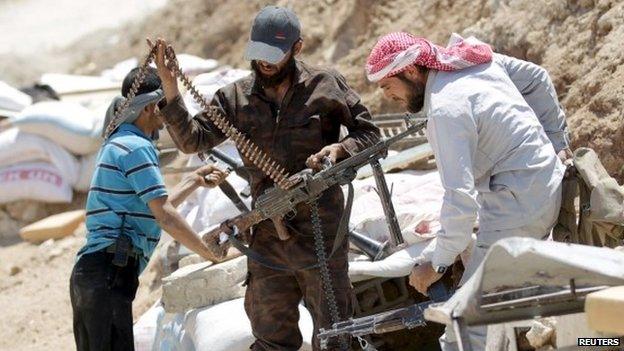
{"x":122,"y":250}
{"x":132,"y":254}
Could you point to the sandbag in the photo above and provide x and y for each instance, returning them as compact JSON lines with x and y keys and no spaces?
{"x":206,"y":207}
{"x":193,"y":65}
{"x":208,"y":83}
{"x":12,"y":99}
{"x":401,"y":263}
{"x":87,"y":168}
{"x":225,"y":327}
{"x":120,"y":70}
{"x":72,"y":83}
{"x":37,"y":181}
{"x":18,"y":147}
{"x":70,"y":125}
{"x":601,"y":213}
{"x":417,"y":199}
{"x":606,"y":201}
{"x":146,"y":328}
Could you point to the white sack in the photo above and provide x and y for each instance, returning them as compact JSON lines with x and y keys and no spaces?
{"x":33,"y":181}
{"x":85,"y":175}
{"x":70,"y":125}
{"x":417,"y":198}
{"x":206,"y":207}
{"x":225,"y":327}
{"x":69,"y":83}
{"x":18,"y":147}
{"x":208,"y":83}
{"x":13,"y":99}
{"x":120,"y":70}
{"x":146,"y":328}
{"x":192,"y":65}
{"x":400,"y":263}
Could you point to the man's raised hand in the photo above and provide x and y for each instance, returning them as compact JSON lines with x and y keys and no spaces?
{"x":166,"y":74}
{"x":210,"y":176}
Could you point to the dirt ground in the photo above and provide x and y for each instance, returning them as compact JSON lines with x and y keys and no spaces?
{"x":34,"y":294}
{"x":578,"y":41}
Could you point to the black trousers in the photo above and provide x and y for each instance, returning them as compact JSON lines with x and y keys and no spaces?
{"x":101,"y":297}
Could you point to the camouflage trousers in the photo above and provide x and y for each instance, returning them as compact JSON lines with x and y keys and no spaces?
{"x":273,"y":296}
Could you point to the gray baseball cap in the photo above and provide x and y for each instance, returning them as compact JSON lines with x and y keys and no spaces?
{"x":273,"y":33}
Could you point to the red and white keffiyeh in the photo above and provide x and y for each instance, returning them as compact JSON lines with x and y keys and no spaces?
{"x":396,"y":51}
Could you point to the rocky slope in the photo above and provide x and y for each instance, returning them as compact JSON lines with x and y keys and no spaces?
{"x":578,"y":41}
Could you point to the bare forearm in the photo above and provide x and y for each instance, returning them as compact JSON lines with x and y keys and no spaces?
{"x":171,"y":221}
{"x":183,"y":189}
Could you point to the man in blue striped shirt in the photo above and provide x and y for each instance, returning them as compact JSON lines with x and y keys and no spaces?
{"x":127,"y":206}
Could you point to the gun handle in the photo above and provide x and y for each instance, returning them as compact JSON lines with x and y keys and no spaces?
{"x":438,"y":292}
{"x":212,"y":241}
{"x":280,"y":227}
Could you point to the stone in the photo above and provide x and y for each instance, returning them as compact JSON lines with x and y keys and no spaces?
{"x":14,"y":270}
{"x":204,"y":284}
{"x":54,"y":253}
{"x":27,"y":211}
{"x":46,"y":245}
{"x":604,"y":310}
{"x":8,"y":226}
{"x":81,"y":231}
{"x":190,"y":259}
{"x":541,"y":333}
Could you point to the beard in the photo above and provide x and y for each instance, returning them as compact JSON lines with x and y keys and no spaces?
{"x":276,"y":79}
{"x":416,"y":95}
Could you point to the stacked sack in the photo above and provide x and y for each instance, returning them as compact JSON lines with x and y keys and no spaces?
{"x":208,"y":83}
{"x":48,"y":151}
{"x":12,"y":100}
{"x":49,"y":148}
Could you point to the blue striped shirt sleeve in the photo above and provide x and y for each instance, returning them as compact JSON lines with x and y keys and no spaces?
{"x":141,"y":169}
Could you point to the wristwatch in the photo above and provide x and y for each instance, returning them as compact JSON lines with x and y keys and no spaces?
{"x":440,"y":269}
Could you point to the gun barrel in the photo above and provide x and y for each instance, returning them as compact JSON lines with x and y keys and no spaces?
{"x":374,"y":249}
{"x":227,"y":159}
{"x":374,"y":152}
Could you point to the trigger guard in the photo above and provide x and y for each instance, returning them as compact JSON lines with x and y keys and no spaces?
{"x":290,"y":215}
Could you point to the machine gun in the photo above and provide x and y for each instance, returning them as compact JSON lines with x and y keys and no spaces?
{"x":306,"y":186}
{"x":385,"y":322}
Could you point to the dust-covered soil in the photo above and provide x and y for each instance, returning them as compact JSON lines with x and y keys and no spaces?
{"x":34,"y":293}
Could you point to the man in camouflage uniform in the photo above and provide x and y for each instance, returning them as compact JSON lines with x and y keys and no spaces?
{"x":294,"y":113}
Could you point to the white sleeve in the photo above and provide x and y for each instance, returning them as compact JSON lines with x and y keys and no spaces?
{"x":452,"y":133}
{"x":538,"y":91}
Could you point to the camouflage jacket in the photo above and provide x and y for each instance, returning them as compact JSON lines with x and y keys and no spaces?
{"x":318,"y":102}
